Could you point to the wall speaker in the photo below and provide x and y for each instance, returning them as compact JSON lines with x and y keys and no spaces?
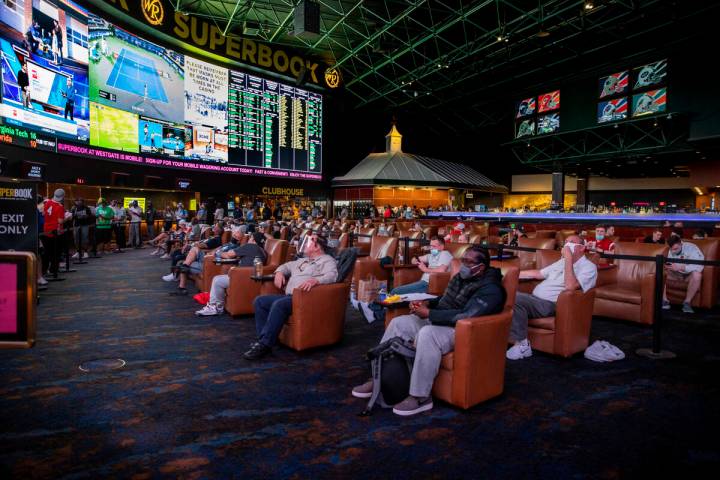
{"x":307,"y":18}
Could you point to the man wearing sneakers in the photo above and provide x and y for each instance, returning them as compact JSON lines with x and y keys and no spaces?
{"x":683,"y":272}
{"x":571,"y":272}
{"x":475,"y":291}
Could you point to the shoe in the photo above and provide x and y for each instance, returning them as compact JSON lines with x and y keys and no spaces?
{"x":85,"y":255}
{"x":154,"y":252}
{"x":354,"y":302}
{"x":687,"y":308}
{"x":209,"y":310}
{"x":165,"y":257}
{"x":367,"y":312}
{"x":180,"y":292}
{"x":170,"y":277}
{"x":412,"y":405}
{"x":76,"y":255}
{"x":364,"y":390}
{"x":665,"y":305}
{"x":519,"y":351}
{"x":42,"y":281}
{"x":257,"y":351}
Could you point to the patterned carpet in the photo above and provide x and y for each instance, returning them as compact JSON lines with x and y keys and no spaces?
{"x":187,"y":405}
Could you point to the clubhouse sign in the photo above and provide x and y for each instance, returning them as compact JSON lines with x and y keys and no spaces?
{"x":205,"y":35}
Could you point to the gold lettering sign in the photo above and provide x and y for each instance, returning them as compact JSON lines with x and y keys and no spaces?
{"x":298,"y":192}
{"x":153,"y":11}
{"x":332,"y":77}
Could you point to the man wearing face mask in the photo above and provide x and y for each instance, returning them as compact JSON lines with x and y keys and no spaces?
{"x":603,"y":242}
{"x":316,"y":267}
{"x":571,"y":272}
{"x":475,"y":291}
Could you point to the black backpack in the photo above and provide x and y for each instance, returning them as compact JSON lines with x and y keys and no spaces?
{"x":345,"y":263}
{"x":390,"y":363}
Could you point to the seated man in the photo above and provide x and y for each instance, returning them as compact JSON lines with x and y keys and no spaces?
{"x":655,"y":237}
{"x":681,"y":271}
{"x":571,"y":272}
{"x":272,"y":311}
{"x":602,"y":243}
{"x":245,"y":255}
{"x":475,"y":291}
{"x":438,"y":260}
{"x":193,"y":261}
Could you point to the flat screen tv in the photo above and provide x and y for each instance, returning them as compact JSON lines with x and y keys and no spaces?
{"x":525,"y":128}
{"x":615,"y":84}
{"x":612,"y":110}
{"x":525,"y":108}
{"x":549,"y":123}
{"x":648,"y":103}
{"x":650,"y":75}
{"x":549,"y":101}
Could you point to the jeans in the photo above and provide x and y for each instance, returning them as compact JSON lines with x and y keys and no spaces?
{"x":271,"y":313}
{"x":119,"y":235}
{"x":135,"y":234}
{"x":150,"y":229}
{"x":526,"y":307}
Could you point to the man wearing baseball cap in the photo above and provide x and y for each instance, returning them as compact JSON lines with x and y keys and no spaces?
{"x":54,"y":216}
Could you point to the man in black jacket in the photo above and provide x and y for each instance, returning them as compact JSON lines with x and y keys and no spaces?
{"x":476,"y":290}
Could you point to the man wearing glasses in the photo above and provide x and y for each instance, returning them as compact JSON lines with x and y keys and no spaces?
{"x":476,"y":290}
{"x":272,"y":311}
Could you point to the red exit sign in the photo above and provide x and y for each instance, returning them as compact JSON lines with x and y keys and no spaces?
{"x":80,"y":181}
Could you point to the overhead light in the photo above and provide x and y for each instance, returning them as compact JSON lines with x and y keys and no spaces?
{"x":589,"y":5}
{"x":542,"y":33}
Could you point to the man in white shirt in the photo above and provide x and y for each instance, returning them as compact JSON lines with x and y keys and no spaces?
{"x":135,"y":218}
{"x":571,"y":272}
{"x":682,"y":272}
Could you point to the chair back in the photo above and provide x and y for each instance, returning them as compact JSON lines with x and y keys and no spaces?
{"x":383,"y":247}
{"x":457,"y":249}
{"x":276,"y":250}
{"x":562,"y":235}
{"x":545,"y":233}
{"x":430,"y":232}
{"x":226,"y":236}
{"x":630,"y":272}
{"x":510,"y":281}
{"x":528,"y":260}
{"x":284,"y":232}
{"x":544,"y":258}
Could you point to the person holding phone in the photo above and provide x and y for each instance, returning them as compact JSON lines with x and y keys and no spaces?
{"x":683,"y":273}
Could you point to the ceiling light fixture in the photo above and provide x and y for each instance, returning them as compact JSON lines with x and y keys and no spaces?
{"x":589,"y":5}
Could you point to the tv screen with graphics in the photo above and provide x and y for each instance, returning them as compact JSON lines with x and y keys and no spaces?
{"x":549,"y":123}
{"x":549,"y":101}
{"x":525,"y":128}
{"x":612,"y":110}
{"x":74,"y":83}
{"x":650,"y":75}
{"x":525,"y":108}
{"x":615,"y":84}
{"x":648,"y":103}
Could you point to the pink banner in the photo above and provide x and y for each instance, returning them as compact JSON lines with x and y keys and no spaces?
{"x":8,"y":298}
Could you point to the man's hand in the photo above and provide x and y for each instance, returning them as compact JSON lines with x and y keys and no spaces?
{"x":279,"y":280}
{"x":308,"y":284}
{"x":573,"y":255}
{"x":420,"y":309}
{"x":422,"y":267}
{"x":415,"y":261}
{"x":677,"y":267}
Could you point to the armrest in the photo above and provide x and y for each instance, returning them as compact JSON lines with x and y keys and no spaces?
{"x":404,"y":275}
{"x":606,"y":277}
{"x":438,"y":283}
{"x":647,"y":298}
{"x":318,"y":306}
{"x":573,"y":318}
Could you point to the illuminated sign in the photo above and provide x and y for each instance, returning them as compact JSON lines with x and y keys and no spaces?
{"x":332,"y":77}
{"x":35,"y":171}
{"x":153,"y":11}
{"x":128,"y":200}
{"x":297,"y":192}
{"x":193,"y":205}
{"x":183,"y":183}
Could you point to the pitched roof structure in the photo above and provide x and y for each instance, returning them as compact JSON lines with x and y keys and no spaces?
{"x":395,"y":167}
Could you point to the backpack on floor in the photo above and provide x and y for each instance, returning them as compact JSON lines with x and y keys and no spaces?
{"x":390,"y":363}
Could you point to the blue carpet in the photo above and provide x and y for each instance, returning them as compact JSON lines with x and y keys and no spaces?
{"x":187,"y":405}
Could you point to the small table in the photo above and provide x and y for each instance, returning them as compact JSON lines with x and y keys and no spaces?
{"x":267,"y":284}
{"x":395,"y":309}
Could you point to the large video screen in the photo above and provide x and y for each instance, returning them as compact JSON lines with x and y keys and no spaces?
{"x":650,"y":75}
{"x":612,"y":110}
{"x":615,"y":84}
{"x":549,"y":123}
{"x":648,"y":103}
{"x":549,"y":101}
{"x":525,"y":128}
{"x":92,"y":88}
{"x":525,"y":108}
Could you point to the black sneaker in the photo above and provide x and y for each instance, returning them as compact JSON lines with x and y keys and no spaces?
{"x":180,"y":292}
{"x":257,"y":351}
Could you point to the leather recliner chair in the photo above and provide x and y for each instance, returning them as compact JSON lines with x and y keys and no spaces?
{"x":242,"y":290}
{"x":364,"y":243}
{"x":707,"y":296}
{"x":527,"y":260}
{"x":370,"y":265}
{"x":475,"y":370}
{"x":203,"y":279}
{"x":627,"y":291}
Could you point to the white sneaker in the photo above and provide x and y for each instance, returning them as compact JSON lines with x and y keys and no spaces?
{"x":76,"y":255}
{"x":85,"y":255}
{"x":42,"y":281}
{"x":154,"y":252}
{"x":354,"y":301}
{"x":165,"y":257}
{"x":519,"y":351}
{"x":369,"y":314}
{"x":209,"y":310}
{"x":170,"y":277}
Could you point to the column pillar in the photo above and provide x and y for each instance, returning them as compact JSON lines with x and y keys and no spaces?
{"x":558,"y":190}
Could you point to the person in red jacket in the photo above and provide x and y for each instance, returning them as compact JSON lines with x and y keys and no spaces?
{"x":54,"y":216}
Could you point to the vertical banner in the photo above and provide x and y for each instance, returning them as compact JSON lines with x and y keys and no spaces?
{"x":18,"y":217}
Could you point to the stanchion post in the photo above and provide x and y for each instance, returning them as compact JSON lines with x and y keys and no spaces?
{"x":66,"y":245}
{"x":656,"y":352}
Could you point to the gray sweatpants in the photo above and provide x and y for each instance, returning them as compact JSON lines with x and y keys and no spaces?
{"x":431,"y":343}
{"x":218,"y":290}
{"x":528,"y":306}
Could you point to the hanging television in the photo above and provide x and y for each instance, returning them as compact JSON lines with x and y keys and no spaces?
{"x":549,"y":123}
{"x":650,"y":75}
{"x":549,"y":101}
{"x":615,"y":84}
{"x":525,"y":128}
{"x":612,"y":110}
{"x":648,"y":103}
{"x":525,"y":108}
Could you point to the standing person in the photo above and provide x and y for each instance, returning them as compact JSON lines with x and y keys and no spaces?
{"x":278,"y":211}
{"x":119,"y":225}
{"x":82,"y":217}
{"x":266,"y":212}
{"x":104,"y":215}
{"x":219,"y":213}
{"x":69,"y":95}
{"x":169,"y":217}
{"x":180,"y":212}
{"x":58,"y":34}
{"x":150,"y":219}
{"x":135,"y":212}
{"x":202,"y":213}
{"x":54,"y":216}
{"x":24,"y":84}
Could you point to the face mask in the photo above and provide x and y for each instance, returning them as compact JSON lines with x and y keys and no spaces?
{"x":466,"y":272}
{"x":434,"y":252}
{"x":599,"y":236}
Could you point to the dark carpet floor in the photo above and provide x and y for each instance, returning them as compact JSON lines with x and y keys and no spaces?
{"x":187,"y":405}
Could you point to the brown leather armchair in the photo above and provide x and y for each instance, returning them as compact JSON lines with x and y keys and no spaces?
{"x":562,"y":235}
{"x":707,"y":296}
{"x":568,"y":332}
{"x":527,"y":260}
{"x":364,"y":243}
{"x":242,"y":290}
{"x":545,"y":234}
{"x":475,"y":370}
{"x":379,"y":247}
{"x":627,"y":291}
